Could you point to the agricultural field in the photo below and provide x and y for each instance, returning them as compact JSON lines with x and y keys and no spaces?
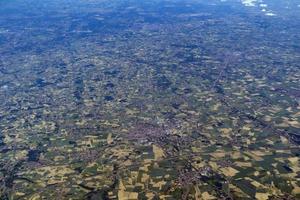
{"x":154,"y":99}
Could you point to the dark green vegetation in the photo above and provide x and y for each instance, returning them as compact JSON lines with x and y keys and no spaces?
{"x":148,"y":100}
